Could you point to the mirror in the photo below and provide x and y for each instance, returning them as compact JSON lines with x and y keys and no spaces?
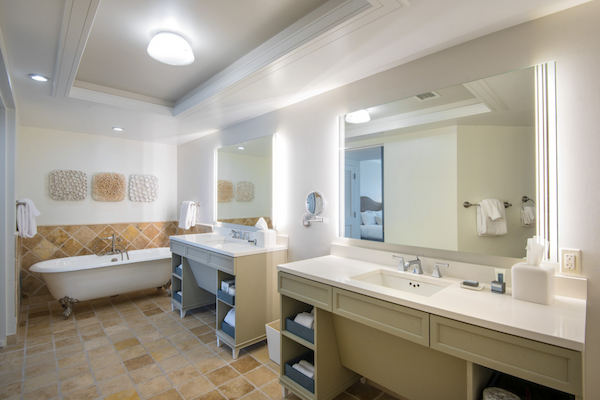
{"x":408,"y":170}
{"x":315,"y":203}
{"x":245,"y":182}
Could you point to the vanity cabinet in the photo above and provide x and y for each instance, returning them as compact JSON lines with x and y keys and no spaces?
{"x":182,"y":280}
{"x":255,"y":301}
{"x":411,"y":352}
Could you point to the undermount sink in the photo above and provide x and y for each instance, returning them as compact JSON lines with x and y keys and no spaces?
{"x":404,"y":282}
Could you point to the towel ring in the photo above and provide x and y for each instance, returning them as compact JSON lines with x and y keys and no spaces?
{"x":466,"y":204}
{"x":525,"y":199}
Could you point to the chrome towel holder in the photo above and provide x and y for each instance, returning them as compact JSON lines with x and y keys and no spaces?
{"x":466,"y":204}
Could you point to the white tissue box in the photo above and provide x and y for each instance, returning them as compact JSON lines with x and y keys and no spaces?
{"x":534,"y":284}
{"x":266,"y":238}
{"x":225,"y":285}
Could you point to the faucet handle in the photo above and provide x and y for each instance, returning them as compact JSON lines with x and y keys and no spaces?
{"x":436,"y":269}
{"x":400,"y":262}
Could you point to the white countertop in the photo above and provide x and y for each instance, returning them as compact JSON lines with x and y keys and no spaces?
{"x":224,"y":245}
{"x":561,"y":324}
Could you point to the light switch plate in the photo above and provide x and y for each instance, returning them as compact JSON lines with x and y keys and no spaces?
{"x":570,"y":261}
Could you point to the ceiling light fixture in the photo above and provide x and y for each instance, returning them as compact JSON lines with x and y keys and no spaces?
{"x":170,"y":48}
{"x":358,"y":117}
{"x":38,"y":78}
{"x":241,"y":148}
{"x":118,"y":129}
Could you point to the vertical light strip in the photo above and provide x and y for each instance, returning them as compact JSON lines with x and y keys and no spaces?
{"x":341,"y":180}
{"x":216,"y":185}
{"x":274,"y":183}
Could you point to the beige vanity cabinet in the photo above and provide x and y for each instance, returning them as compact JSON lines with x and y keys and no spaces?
{"x":255,"y":300}
{"x":416,"y":354}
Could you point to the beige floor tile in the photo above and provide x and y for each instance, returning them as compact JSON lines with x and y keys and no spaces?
{"x":245,"y":364}
{"x":191,"y":323}
{"x":105,"y":316}
{"x":40,"y":369}
{"x":261,"y":376}
{"x":171,"y":394}
{"x":173,"y":363}
{"x":87,"y":322}
{"x":113,"y":322}
{"x":79,"y":382}
{"x":261,"y":354}
{"x":127,"y":394}
{"x":257,"y":395}
{"x":138,"y":362}
{"x":209,"y":364}
{"x":90,"y":328}
{"x":11,"y":356}
{"x":11,"y":365}
{"x":212,"y":395}
{"x":31,"y":351}
{"x":139,"y":321}
{"x":115,"y":385}
{"x":144,"y":329}
{"x":222,"y":375}
{"x":86,"y":337}
{"x":95,"y":343}
{"x":195,"y":388}
{"x":102,"y":362}
{"x":154,"y":386}
{"x":70,"y":341}
{"x":208,"y":337}
{"x":145,"y":374}
{"x":72,"y":360}
{"x":39,"y":381}
{"x":183,"y":375}
{"x":11,"y":377}
{"x":48,"y":392}
{"x":180,"y":336}
{"x":201,"y":330}
{"x":198,"y":354}
{"x":132,"y":352}
{"x":363,"y":392}
{"x":125,"y":344}
{"x":274,"y":367}
{"x":109,"y":372}
{"x":120,"y":336}
{"x":40,"y":358}
{"x":65,"y":334}
{"x":172,"y":329}
{"x":273,"y":390}
{"x":150,"y":337}
{"x":101,"y":351}
{"x":73,"y":371}
{"x":10,"y":391}
{"x":157,"y":344}
{"x":70,"y":350}
{"x":40,"y":340}
{"x":164,"y":353}
{"x":237,"y":388}
{"x":111,"y":330}
{"x":88,"y":393}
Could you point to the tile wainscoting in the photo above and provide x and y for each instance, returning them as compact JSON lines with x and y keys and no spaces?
{"x":58,"y":241}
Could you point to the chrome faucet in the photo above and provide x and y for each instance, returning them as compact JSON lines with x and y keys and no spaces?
{"x":436,"y":269}
{"x":400,"y":262}
{"x":416,"y":266}
{"x":113,"y":247}
{"x":235,"y":234}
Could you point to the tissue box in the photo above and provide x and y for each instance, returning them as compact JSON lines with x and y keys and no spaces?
{"x":534,"y":284}
{"x":265,"y":238}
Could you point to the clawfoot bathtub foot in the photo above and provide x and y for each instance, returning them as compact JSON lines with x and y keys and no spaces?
{"x":166,"y":286}
{"x":68,"y":303}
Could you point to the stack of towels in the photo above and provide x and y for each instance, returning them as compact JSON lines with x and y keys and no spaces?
{"x":306,"y":319}
{"x":491,"y":218}
{"x":305,"y":368}
{"x":230,"y":318}
{"x":26,"y":213}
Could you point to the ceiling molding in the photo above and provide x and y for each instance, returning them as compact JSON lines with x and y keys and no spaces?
{"x":485,"y":94}
{"x":6,"y":94}
{"x":78,"y":18}
{"x":444,"y":112}
{"x":119,"y":93}
{"x":119,"y":101}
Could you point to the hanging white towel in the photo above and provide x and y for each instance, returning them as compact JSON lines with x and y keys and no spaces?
{"x":491,"y":218}
{"x":528,"y":216}
{"x":187,"y":217}
{"x":26,"y":214}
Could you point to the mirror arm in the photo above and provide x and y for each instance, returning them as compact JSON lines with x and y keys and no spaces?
{"x":307,"y":219}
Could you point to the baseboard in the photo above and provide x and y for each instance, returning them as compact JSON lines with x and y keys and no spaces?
{"x":11,"y":339}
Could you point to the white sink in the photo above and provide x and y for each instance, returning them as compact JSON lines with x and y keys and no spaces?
{"x":405,"y":282}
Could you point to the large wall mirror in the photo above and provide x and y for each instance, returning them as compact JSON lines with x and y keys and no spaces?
{"x":407,"y":167}
{"x":245,"y":182}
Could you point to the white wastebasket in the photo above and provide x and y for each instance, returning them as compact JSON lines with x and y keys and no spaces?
{"x":273,"y":341}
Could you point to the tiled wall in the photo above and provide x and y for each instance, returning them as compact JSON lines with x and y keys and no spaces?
{"x":58,"y":241}
{"x":247,"y":221}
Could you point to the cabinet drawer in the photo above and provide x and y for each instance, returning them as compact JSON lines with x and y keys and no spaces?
{"x":177,"y":248}
{"x":305,"y":290}
{"x":548,"y":365}
{"x":221,"y":262}
{"x":394,"y":319}
{"x":196,"y":254}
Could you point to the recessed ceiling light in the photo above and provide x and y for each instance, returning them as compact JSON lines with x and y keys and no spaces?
{"x":118,"y":129}
{"x":241,"y":148}
{"x":38,"y":78}
{"x":170,"y":48}
{"x":358,"y":117}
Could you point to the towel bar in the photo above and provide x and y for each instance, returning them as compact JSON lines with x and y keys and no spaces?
{"x":466,"y":204}
{"x":19,"y":203}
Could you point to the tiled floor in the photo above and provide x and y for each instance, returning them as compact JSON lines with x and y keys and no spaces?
{"x":134,"y":347}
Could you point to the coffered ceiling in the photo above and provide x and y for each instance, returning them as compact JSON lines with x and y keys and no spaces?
{"x":252,"y":56}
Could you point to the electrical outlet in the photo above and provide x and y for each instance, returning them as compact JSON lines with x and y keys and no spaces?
{"x":570,"y":261}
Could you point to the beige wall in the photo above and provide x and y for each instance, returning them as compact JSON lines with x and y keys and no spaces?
{"x":308,"y":138}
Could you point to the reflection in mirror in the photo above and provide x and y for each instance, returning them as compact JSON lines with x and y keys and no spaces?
{"x":244,"y":182}
{"x":315,"y":203}
{"x":465,"y":143}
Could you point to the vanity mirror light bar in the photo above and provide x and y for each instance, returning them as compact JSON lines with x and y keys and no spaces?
{"x":466,"y":204}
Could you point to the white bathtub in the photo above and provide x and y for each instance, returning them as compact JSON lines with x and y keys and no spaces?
{"x":91,"y":277}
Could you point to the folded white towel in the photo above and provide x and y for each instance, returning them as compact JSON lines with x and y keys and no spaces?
{"x":307,"y":365}
{"x":312,"y":311}
{"x":187,"y":216}
{"x":303,"y":371}
{"x":26,"y":214}
{"x":305,"y":319}
{"x":231,"y":290}
{"x":528,"y":216}
{"x":180,"y":292}
{"x":230,"y":317}
{"x":491,"y":218}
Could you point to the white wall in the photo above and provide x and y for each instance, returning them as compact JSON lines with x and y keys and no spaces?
{"x":258,"y":170}
{"x":370,"y":179}
{"x":41,"y":151}
{"x":308,"y":136}
{"x":495,"y":162}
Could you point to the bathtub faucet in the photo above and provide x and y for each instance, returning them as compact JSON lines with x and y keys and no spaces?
{"x":113,"y":247}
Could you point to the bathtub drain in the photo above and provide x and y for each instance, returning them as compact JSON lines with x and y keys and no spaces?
{"x":114,"y":260}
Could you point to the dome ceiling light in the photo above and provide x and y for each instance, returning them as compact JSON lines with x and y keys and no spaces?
{"x":38,"y":78}
{"x":170,"y":48}
{"x":358,"y":117}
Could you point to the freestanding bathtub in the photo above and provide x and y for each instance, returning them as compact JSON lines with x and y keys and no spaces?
{"x":91,"y":277}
